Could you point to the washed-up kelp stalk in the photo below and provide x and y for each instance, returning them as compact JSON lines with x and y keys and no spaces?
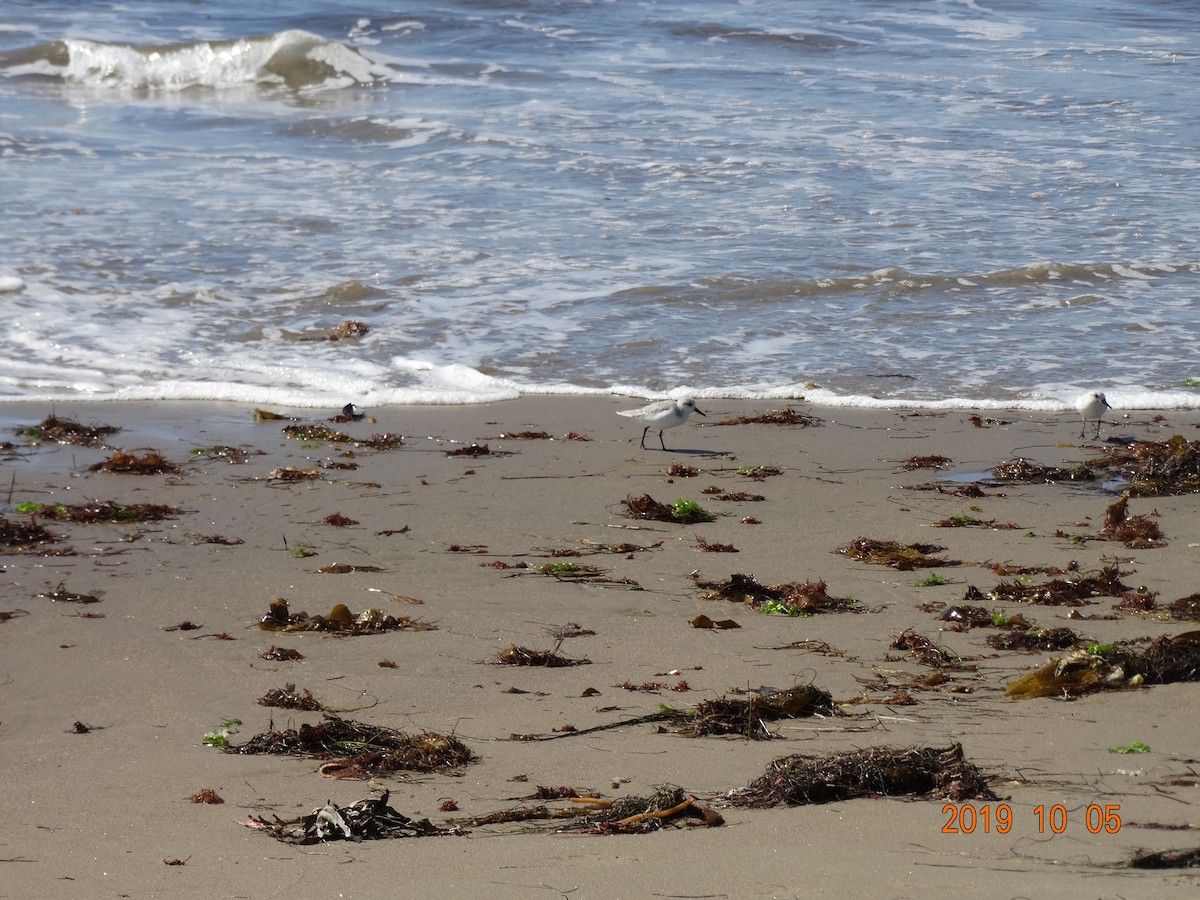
{"x":802,"y":596}
{"x":924,"y":773}
{"x":1057,"y":592}
{"x":668,"y":805}
{"x":748,"y":716}
{"x":358,"y":750}
{"x":367,"y":820}
{"x":340,"y":621}
{"x":904,"y":557}
{"x":1164,"y":660}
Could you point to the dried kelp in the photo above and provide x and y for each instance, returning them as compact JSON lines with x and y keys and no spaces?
{"x":340,"y":621}
{"x":151,"y":462}
{"x":904,"y":557}
{"x":924,"y":773}
{"x":60,"y":430}
{"x":367,"y":820}
{"x":800,"y":598}
{"x":358,"y":750}
{"x":1061,"y":591}
{"x":25,"y":534}
{"x":101,"y":511}
{"x":288,"y":697}
{"x":1164,"y":660}
{"x":786,"y":416}
{"x":748,"y":716}
{"x":1136,"y":532}
{"x":523,"y":656}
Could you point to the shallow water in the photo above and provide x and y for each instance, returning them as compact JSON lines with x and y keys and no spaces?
{"x":949,"y":204}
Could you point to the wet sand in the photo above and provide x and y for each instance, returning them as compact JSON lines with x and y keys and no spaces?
{"x":96,"y":814}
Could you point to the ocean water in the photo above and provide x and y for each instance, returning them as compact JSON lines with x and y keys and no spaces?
{"x":864,"y":202}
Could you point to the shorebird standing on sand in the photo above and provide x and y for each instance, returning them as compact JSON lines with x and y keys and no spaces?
{"x":1092,"y":405}
{"x":662,"y":415}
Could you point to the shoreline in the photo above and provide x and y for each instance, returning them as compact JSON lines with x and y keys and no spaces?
{"x":97,"y":813}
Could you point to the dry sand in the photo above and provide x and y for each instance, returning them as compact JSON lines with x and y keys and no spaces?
{"x":96,"y":814}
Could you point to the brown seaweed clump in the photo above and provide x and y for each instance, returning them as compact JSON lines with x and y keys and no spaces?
{"x":289,"y":698}
{"x":102,"y":511}
{"x":1036,"y":639}
{"x":523,"y":656}
{"x":1135,"y":532}
{"x":315,"y":432}
{"x":748,"y":717}
{"x":786,"y":416}
{"x":367,"y":820}
{"x":1061,"y":591}
{"x":1022,"y":470}
{"x":687,"y":512}
{"x":353,"y":749}
{"x":924,"y":773}
{"x":54,"y":429}
{"x":22,"y":534}
{"x":904,"y":557}
{"x":929,"y":461}
{"x":1164,"y":660}
{"x":151,"y":462}
{"x":795,"y":598}
{"x":1166,"y":859}
{"x":340,"y":621}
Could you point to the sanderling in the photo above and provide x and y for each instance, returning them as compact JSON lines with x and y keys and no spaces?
{"x":662,"y":415}
{"x":1092,"y":405}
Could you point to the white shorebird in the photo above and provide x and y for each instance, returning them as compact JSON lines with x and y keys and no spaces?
{"x":662,"y":415}
{"x":1092,"y":405}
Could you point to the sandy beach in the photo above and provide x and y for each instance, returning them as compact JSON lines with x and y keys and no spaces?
{"x":104,"y":705}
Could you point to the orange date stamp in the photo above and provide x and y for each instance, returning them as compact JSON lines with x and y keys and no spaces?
{"x":966,"y":818}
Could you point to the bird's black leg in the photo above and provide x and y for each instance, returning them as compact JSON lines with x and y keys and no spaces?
{"x":660,"y":440}
{"x":644,"y":432}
